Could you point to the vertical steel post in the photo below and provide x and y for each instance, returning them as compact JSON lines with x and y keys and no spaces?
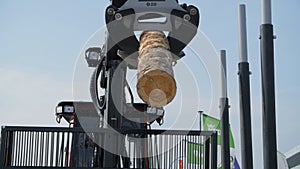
{"x":200,"y":119}
{"x":224,"y":111}
{"x":206,"y":153}
{"x":268,"y":87}
{"x":9,"y":147}
{"x":3,"y":147}
{"x":244,"y":88}
{"x":214,"y":151}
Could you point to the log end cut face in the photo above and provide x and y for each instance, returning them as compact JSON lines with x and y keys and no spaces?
{"x":157,"y":88}
{"x":156,"y":85}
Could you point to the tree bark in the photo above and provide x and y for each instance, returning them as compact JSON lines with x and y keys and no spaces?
{"x":156,"y":84}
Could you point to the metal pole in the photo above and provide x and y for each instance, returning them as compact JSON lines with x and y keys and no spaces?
{"x":214,"y":151}
{"x":224,"y":111}
{"x":200,"y":119}
{"x":244,"y":86}
{"x":3,"y":155}
{"x":268,"y":87}
{"x":223,"y":75}
{"x":206,"y":153}
{"x":242,"y":33}
{"x":266,"y":12}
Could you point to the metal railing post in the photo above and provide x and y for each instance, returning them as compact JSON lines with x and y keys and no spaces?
{"x":206,"y":153}
{"x":3,"y":147}
{"x":214,"y":150}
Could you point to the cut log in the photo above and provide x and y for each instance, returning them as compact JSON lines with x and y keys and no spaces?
{"x":156,"y":85}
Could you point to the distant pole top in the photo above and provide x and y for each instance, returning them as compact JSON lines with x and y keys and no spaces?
{"x":242,"y":33}
{"x":266,"y":12}
{"x":223,"y":71}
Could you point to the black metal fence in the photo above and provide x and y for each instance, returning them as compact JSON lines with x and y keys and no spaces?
{"x":45,"y":147}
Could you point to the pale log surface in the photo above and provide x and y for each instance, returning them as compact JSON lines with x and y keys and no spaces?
{"x":156,"y":85}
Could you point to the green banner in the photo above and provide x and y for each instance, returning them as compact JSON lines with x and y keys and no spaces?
{"x":213,"y":124}
{"x":194,"y":153}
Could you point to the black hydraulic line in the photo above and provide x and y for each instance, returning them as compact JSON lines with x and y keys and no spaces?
{"x":268,"y":94}
{"x":130,"y":92}
{"x":93,"y":86}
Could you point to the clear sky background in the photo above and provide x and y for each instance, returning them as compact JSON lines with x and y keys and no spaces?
{"x":41,"y":41}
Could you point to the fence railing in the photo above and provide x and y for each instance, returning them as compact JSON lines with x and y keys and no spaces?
{"x":48,"y":147}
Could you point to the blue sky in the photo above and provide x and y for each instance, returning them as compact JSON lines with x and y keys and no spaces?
{"x":40,"y":42}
